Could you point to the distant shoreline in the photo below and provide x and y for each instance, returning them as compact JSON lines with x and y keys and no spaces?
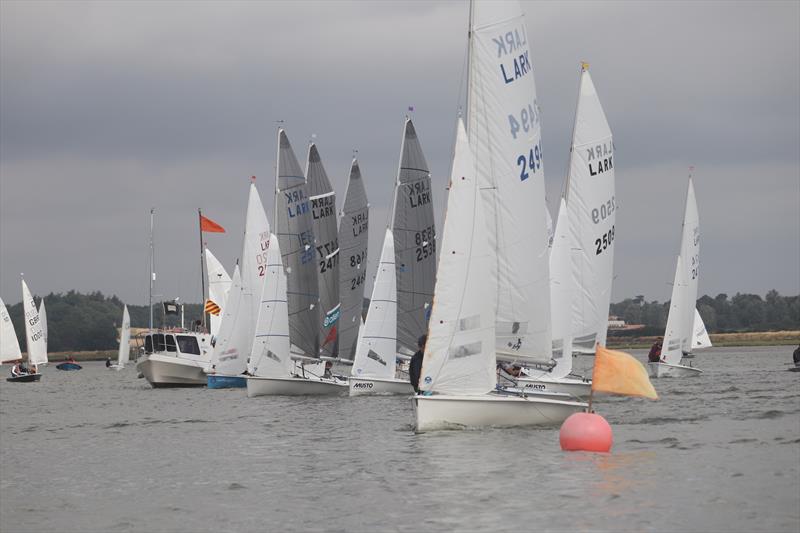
{"x":754,"y":338}
{"x":761,"y":338}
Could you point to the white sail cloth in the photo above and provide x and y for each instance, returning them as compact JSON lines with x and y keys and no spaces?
{"x":460,"y":352}
{"x":505,"y":137}
{"x":37,"y":349}
{"x":592,"y":206}
{"x":376,"y":353}
{"x":219,"y":283}
{"x":123,"y":355}
{"x":270,"y":346}
{"x":9,"y":344}
{"x":561,"y":294}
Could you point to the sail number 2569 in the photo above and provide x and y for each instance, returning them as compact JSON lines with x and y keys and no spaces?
{"x":604,"y":241}
{"x":531,"y":161}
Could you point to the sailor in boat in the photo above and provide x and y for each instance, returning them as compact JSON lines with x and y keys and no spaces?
{"x":796,"y":356}
{"x":415,"y":366}
{"x":328,"y":374}
{"x":108,"y":362}
{"x":655,"y":351}
{"x":18,"y":370}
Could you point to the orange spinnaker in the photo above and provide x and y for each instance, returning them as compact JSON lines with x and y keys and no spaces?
{"x":620,"y":373}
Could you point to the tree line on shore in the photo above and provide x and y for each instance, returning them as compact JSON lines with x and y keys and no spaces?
{"x":86,"y":322}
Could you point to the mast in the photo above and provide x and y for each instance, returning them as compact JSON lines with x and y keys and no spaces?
{"x":584,"y":68}
{"x":202,"y":271}
{"x":152,"y":268}
{"x":469,"y":58}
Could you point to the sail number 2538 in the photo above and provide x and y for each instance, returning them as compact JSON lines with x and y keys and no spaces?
{"x":531,"y":161}
{"x":605,"y":241}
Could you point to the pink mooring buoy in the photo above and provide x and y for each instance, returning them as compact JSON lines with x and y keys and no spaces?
{"x":586,"y":432}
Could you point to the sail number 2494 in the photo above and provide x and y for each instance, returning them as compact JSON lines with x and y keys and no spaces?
{"x":532,"y":161}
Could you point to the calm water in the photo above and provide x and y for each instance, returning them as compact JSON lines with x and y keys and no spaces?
{"x":98,"y":450}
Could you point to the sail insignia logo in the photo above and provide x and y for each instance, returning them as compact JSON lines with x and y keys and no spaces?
{"x":332,"y":316}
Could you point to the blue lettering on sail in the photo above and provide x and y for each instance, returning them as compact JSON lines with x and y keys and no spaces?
{"x":521,"y":66}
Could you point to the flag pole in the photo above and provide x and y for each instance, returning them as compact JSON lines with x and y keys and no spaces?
{"x":202,"y":268}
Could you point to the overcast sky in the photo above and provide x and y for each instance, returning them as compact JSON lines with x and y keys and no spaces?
{"x":110,"y":108}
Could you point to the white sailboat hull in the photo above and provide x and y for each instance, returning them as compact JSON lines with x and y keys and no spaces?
{"x":576,"y":387}
{"x":438,"y":412}
{"x":666,"y":370}
{"x":262,"y":386}
{"x":170,"y":371}
{"x":379,"y":386}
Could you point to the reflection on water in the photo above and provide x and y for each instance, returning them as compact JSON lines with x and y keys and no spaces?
{"x":100,"y":451}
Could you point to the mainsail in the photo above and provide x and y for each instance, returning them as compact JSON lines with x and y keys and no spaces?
{"x":376,"y":354}
{"x":592,"y":205}
{"x":690,"y":251}
{"x":219,"y":283}
{"x":270,"y":346}
{"x":353,"y":240}
{"x":460,"y":353}
{"x":37,"y":350}
{"x":9,"y":344}
{"x":43,"y":320}
{"x":505,"y":136}
{"x":326,"y":244}
{"x":671,"y":346}
{"x":414,"y":242}
{"x":293,"y":225}
{"x":235,"y":335}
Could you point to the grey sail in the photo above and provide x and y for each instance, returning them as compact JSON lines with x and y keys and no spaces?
{"x":415,"y":242}
{"x":296,"y":240}
{"x":353,"y":239}
{"x":326,"y":249}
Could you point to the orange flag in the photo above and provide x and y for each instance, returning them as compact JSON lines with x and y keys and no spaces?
{"x":208,"y":225}
{"x":620,"y":373}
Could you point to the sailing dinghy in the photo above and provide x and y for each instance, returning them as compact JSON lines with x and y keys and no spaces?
{"x":232,"y":349}
{"x":295,"y":238}
{"x":9,"y":344}
{"x":679,"y":335}
{"x":34,"y":337}
{"x":123,"y":355}
{"x":403,"y":294}
{"x":590,"y":204}
{"x":459,"y":367}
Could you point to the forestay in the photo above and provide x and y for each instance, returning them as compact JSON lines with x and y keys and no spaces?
{"x":376,"y":353}
{"x":326,"y":245}
{"x":561,"y":294}
{"x":460,"y":354}
{"x":505,"y":136}
{"x":219,"y":283}
{"x":592,"y":205}
{"x":353,"y":240}
{"x":9,"y":344}
{"x":123,"y":355}
{"x":293,"y":224}
{"x":414,"y":242}
{"x":270,"y":351}
{"x":37,"y":350}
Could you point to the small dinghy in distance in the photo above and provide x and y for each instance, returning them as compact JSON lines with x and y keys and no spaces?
{"x":69,"y":365}
{"x":34,"y":335}
{"x":123,"y":355}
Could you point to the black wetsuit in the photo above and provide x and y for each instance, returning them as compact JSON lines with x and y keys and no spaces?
{"x":415,"y":369}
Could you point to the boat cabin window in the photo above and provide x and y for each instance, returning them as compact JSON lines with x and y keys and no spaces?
{"x":148,"y":345}
{"x":158,"y":342}
{"x":170,"y":342}
{"x":188,"y":344}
